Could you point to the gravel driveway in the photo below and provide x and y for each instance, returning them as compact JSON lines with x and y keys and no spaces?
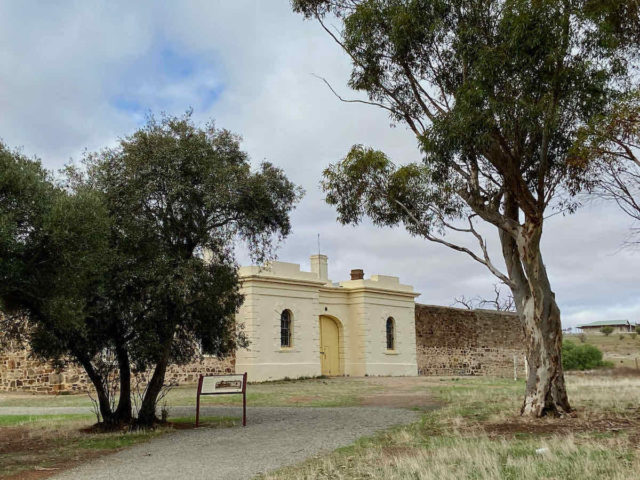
{"x":274,"y":437}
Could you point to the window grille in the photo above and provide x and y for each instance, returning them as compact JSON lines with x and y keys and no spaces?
{"x":285,"y":328}
{"x":390,"y":334}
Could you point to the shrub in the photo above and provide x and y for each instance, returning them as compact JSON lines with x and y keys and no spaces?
{"x":583,"y":337}
{"x":633,"y":335}
{"x":621,"y":336}
{"x":607,"y":330}
{"x":581,"y":357}
{"x":637,"y":328}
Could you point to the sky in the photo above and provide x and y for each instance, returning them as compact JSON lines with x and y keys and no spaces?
{"x":76,"y":76}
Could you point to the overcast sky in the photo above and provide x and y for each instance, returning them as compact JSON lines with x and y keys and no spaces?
{"x":78,"y":75}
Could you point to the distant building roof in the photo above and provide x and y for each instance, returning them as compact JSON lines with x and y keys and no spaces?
{"x":604,"y":323}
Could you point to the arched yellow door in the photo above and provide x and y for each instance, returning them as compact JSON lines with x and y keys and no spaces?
{"x":329,"y":347}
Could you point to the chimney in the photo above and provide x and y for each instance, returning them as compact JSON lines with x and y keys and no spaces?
{"x":319,"y":266}
{"x":357,"y":274}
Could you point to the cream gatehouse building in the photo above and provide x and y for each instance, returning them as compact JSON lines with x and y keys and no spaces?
{"x":300,"y":324}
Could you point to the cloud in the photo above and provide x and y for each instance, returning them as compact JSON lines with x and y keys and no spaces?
{"x":79,"y":75}
{"x":165,"y":78}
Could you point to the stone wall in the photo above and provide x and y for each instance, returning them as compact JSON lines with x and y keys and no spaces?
{"x":449,"y":341}
{"x":454,"y":341}
{"x":20,"y":372}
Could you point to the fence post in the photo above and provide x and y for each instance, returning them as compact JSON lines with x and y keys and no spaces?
{"x":198,"y":401}
{"x":244,"y":400}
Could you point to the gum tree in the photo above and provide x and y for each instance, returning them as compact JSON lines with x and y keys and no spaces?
{"x":494,"y":92}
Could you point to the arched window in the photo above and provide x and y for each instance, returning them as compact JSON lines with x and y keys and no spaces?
{"x":391,"y":334}
{"x":285,"y":328}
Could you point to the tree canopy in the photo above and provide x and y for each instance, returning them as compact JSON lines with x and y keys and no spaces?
{"x":136,"y":251}
{"x":609,"y":147}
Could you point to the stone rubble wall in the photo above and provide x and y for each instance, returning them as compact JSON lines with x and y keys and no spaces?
{"x":449,"y":341}
{"x":20,"y":372}
{"x":454,"y":341}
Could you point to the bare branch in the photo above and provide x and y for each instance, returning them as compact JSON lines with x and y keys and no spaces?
{"x":486,"y":261}
{"x":346,"y":100}
{"x":497,"y":303}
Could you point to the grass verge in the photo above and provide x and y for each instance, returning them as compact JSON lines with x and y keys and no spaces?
{"x":315,"y":392}
{"x":36,"y":446}
{"x":477,"y":435}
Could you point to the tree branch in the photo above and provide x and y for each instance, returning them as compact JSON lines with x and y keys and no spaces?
{"x":486,"y":261}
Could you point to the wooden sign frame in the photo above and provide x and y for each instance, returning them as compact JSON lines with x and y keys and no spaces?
{"x":223,"y":390}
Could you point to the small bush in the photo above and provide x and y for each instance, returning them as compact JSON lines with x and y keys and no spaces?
{"x":583,"y":337}
{"x":637,"y":328}
{"x":606,"y":330}
{"x":581,"y":357}
{"x":633,"y":335}
{"x":621,"y":336}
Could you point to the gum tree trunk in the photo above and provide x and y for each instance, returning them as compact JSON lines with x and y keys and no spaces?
{"x":545,"y":392}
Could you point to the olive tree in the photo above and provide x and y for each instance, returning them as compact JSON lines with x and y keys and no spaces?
{"x":179,"y":197}
{"x":494,"y":92}
{"x":129,"y":263}
{"x":55,"y":264}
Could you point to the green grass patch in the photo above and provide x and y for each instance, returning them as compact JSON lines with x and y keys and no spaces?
{"x":22,"y":420}
{"x":210,"y":421}
{"x":114,"y":441}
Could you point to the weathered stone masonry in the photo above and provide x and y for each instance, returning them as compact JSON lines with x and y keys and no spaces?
{"x":20,"y":372}
{"x":449,"y":341}
{"x":453,"y":341}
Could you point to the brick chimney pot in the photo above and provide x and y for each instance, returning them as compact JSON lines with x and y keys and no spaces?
{"x":357,"y":274}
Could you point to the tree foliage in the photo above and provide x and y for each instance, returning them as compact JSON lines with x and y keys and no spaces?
{"x":606,"y":330}
{"x":609,"y":147}
{"x":180,"y":196}
{"x":136,"y":251}
{"x":55,"y":264}
{"x":581,"y":357}
{"x":54,"y":256}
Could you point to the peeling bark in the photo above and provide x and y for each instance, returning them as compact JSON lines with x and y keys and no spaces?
{"x":546,"y":392}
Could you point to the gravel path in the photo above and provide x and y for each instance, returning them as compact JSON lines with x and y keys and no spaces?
{"x":274,"y":437}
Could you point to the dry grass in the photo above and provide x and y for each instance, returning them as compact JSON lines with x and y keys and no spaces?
{"x":477,"y":435}
{"x":315,"y":392}
{"x":480,"y":458}
{"x":605,"y":394}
